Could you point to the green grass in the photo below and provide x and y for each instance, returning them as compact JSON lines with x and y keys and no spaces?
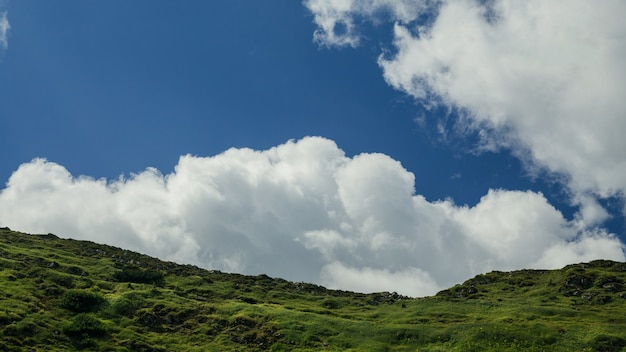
{"x":59,"y":294}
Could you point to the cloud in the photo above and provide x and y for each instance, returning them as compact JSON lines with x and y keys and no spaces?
{"x":543,"y":79}
{"x":303,"y":211}
{"x":337,"y":20}
{"x":4,"y":30}
{"x":337,"y":275}
{"x":548,"y":78}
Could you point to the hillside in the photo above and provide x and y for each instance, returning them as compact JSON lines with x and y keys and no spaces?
{"x":61,"y":294}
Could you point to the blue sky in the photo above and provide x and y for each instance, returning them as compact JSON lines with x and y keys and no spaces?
{"x":106,"y":91}
{"x":114,"y":89}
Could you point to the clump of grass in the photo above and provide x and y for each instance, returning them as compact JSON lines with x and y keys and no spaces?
{"x":608,"y":343}
{"x":83,"y":330}
{"x":81,"y":301}
{"x":84,"y":324}
{"x":125,"y":306}
{"x":140,"y":276}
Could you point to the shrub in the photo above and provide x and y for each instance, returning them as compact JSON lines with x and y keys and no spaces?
{"x":330,"y":304}
{"x":125,"y":306}
{"x":249,"y":300}
{"x":21,"y":329}
{"x":61,"y":280}
{"x":140,"y":276}
{"x":84,"y":324}
{"x":80,"y":301}
{"x":607,"y":343}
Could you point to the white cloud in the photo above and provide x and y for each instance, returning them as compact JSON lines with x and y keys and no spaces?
{"x":337,"y":275}
{"x":544,"y":79}
{"x":549,"y":74}
{"x":588,"y":247}
{"x":305,"y":212}
{"x":4,"y":30}
{"x":591,"y":213}
{"x":498,"y":225}
{"x":337,"y":19}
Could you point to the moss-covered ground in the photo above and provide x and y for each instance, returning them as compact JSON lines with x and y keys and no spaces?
{"x":60,"y":294}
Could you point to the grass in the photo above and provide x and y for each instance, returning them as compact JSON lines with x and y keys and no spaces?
{"x":60,"y":294}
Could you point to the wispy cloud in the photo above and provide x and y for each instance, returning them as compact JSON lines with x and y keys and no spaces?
{"x":337,"y":20}
{"x":4,"y":30}
{"x":303,"y":211}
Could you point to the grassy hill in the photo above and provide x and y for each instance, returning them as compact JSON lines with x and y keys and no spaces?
{"x":60,"y":294}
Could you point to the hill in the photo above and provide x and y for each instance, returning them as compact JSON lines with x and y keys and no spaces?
{"x":62,"y":294}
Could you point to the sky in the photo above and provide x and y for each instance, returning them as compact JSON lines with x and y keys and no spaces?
{"x":373,"y":145}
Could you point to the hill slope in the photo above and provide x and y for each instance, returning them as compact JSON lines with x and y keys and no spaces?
{"x":60,"y":294}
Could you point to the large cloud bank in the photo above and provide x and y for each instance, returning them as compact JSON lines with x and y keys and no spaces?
{"x":545,"y":79}
{"x":303,"y":211}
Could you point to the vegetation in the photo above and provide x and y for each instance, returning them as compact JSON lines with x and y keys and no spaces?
{"x":81,"y":301}
{"x":60,"y":294}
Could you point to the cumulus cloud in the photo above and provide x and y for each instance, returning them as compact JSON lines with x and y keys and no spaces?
{"x":4,"y":30}
{"x":543,"y":79}
{"x":303,"y":211}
